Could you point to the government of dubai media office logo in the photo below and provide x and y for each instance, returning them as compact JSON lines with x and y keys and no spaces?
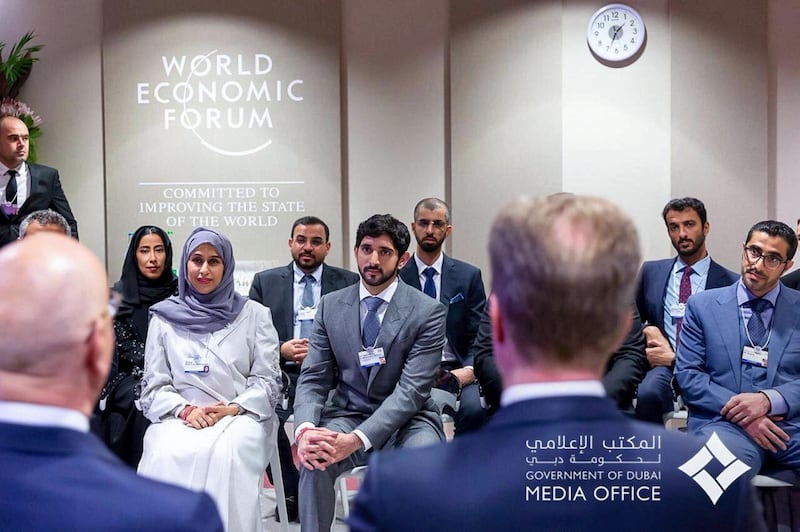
{"x":224,"y":100}
{"x":714,"y":449}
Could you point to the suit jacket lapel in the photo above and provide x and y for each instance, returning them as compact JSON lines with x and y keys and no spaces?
{"x":350,"y":323}
{"x":287,"y":297}
{"x":327,"y":280}
{"x":447,"y":281}
{"x":37,"y":186}
{"x":410,"y":274}
{"x":665,"y":276}
{"x":726,"y":316}
{"x":399,"y":308}
{"x":784,"y":323}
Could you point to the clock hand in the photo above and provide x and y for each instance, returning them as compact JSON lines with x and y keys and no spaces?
{"x":616,"y":31}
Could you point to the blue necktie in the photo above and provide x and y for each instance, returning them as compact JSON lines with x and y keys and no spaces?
{"x":307,"y":301}
{"x":755,"y":325}
{"x":372,"y":325}
{"x":430,"y":287}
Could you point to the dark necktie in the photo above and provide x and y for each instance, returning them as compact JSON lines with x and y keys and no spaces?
{"x":372,"y":325}
{"x":755,"y":325}
{"x":430,"y":287}
{"x":11,"y":188}
{"x":684,"y":292}
{"x":307,"y":301}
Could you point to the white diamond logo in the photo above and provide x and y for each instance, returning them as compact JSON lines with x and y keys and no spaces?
{"x":714,"y":486}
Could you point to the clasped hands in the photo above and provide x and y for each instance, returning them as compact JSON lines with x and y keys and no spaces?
{"x":201,"y":417}
{"x":318,"y":447}
{"x":750,"y":411}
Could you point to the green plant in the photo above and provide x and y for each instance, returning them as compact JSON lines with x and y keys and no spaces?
{"x":14,"y":70}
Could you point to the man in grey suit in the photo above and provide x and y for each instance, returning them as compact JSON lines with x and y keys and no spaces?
{"x":377,"y":346}
{"x":292,"y":293}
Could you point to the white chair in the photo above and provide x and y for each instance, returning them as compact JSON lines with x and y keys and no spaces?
{"x":277,"y":481}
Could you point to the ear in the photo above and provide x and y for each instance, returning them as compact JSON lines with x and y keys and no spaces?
{"x":706,"y":228}
{"x":496,"y":319}
{"x":100,"y":347}
{"x":448,"y":230}
{"x":290,"y":242}
{"x":403,"y":260}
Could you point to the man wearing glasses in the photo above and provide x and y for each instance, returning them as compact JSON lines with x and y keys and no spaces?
{"x":792,"y":280}
{"x":459,"y":287}
{"x":739,"y":356}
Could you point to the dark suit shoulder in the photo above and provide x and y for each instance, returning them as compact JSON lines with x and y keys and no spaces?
{"x":719,"y":276}
{"x":347,"y":275}
{"x":40,"y":168}
{"x":466,"y":267}
{"x":792,"y":280}
{"x":273,"y":272}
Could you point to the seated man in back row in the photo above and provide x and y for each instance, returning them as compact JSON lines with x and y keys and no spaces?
{"x":739,"y":357}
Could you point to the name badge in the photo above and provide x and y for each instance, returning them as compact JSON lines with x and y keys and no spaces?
{"x":9,"y":209}
{"x":677,"y":311}
{"x":371,"y":356}
{"x":196,"y":364}
{"x":755,"y":356}
{"x":306,"y":314}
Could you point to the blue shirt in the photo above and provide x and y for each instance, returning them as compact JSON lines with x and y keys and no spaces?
{"x":698,"y":278}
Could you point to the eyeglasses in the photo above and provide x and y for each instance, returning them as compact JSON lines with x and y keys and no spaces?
{"x":771,"y":262}
{"x":437,"y":224}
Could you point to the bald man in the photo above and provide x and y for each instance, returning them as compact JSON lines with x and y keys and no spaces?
{"x":25,"y":187}
{"x":57,"y":339}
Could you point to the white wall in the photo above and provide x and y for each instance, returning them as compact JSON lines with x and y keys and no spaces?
{"x":65,"y":89}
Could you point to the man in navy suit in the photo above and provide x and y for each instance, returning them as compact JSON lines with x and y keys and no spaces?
{"x":558,"y":455}
{"x":663,"y":288}
{"x":792,"y":280}
{"x":55,"y":322}
{"x":282,"y":290}
{"x":459,"y":287}
{"x":25,"y":187}
{"x":739,"y":357}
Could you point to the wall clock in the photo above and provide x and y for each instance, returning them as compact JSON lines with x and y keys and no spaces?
{"x":616,"y":34}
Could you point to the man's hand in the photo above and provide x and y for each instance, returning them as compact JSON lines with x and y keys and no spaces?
{"x":658,"y":351}
{"x":295,"y":350}
{"x":464,"y":375}
{"x":767,"y":434}
{"x":744,"y":408}
{"x":319,"y":448}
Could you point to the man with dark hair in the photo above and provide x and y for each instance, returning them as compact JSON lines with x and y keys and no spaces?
{"x":375,"y":348}
{"x":44,"y":220}
{"x":54,"y":360}
{"x":739,"y":357}
{"x":663,"y":289}
{"x":792,"y":280}
{"x":557,"y":455}
{"x":292,"y":294}
{"x":25,"y":187}
{"x":459,"y":287}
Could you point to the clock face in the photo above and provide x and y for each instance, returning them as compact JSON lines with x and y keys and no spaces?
{"x":616,"y":32}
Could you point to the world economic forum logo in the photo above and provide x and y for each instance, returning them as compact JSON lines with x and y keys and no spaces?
{"x":714,"y":449}
{"x":227,"y":101}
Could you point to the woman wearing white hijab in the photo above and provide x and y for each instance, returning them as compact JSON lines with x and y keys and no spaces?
{"x":211,"y":383}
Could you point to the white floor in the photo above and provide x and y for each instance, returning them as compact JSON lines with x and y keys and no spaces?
{"x":271,"y":525}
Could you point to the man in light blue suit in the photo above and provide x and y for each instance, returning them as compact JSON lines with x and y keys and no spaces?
{"x":739,"y":358}
{"x":459,"y":287}
{"x":57,"y":339}
{"x":374,"y":349}
{"x":558,"y":455}
{"x":662,"y":290}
